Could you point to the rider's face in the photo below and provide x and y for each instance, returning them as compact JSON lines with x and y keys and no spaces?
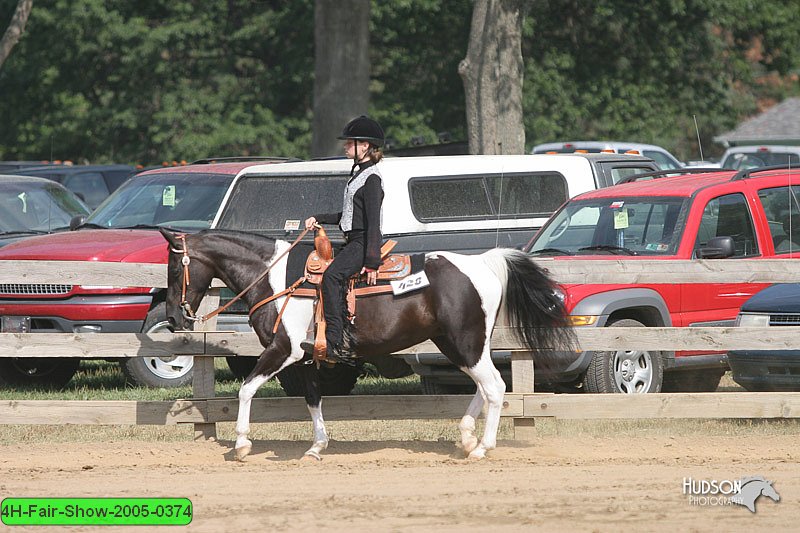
{"x":350,"y":148}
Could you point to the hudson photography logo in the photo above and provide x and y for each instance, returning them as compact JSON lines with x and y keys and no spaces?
{"x":744,"y":491}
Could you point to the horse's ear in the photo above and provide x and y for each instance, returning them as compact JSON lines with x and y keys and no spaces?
{"x":171,"y":238}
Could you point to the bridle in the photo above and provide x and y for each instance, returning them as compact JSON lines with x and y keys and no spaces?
{"x":186,"y":308}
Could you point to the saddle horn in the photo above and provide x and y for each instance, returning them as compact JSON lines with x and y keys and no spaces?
{"x":323,"y":244}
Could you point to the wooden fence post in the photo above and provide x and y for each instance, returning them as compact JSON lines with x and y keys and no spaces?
{"x":522,"y":382}
{"x":203,"y":370}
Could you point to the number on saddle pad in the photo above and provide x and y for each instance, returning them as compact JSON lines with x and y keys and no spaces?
{"x":410,"y":283}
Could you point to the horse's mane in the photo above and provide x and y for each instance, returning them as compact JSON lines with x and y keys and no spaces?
{"x":259,"y":244}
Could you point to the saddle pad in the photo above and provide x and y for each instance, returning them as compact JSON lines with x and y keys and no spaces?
{"x":296,"y":264}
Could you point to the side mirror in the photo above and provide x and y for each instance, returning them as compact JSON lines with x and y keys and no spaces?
{"x":76,"y":221}
{"x":717,"y":248}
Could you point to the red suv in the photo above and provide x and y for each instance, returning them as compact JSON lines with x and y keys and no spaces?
{"x":123,"y":228}
{"x":748,"y":215}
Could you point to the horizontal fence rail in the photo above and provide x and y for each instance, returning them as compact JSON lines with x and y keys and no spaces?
{"x":563,"y":271}
{"x":226,"y":344}
{"x":724,"y":405}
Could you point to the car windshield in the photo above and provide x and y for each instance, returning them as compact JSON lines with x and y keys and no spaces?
{"x":183,"y":201}
{"x":613,"y":226}
{"x":36,"y":208}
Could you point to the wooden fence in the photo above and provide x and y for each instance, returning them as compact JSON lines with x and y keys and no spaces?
{"x":522,"y":404}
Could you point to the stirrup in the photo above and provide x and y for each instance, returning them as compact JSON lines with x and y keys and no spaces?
{"x":307,"y":346}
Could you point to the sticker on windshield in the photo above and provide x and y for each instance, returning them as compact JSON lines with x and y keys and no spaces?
{"x":168,"y":196}
{"x":617,"y":204}
{"x":621,"y":219}
{"x":291,"y":224}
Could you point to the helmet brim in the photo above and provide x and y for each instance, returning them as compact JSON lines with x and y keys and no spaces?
{"x":372,"y":140}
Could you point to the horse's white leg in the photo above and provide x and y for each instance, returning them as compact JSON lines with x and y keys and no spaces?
{"x":320,"y":434}
{"x":493,"y":388}
{"x":246,"y":393}
{"x":469,"y":441}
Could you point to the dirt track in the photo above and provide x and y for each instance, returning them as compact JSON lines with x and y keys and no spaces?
{"x":556,"y":483}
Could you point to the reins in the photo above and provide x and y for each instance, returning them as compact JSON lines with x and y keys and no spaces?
{"x":187,"y":309}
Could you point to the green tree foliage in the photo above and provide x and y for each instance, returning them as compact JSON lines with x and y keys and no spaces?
{"x":640,"y":71}
{"x":114,"y":80}
{"x":416,"y":48}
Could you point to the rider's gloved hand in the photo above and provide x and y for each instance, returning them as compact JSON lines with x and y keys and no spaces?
{"x":372,"y":275}
{"x":310,"y":222}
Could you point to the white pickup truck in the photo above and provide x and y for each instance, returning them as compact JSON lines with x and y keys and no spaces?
{"x":465,"y":204}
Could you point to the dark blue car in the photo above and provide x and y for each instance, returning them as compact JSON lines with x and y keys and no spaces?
{"x":761,"y":370}
{"x":91,"y":183}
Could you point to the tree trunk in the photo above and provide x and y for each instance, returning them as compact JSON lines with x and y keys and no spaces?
{"x":492,"y":75}
{"x":341,"y":70}
{"x":15,"y":29}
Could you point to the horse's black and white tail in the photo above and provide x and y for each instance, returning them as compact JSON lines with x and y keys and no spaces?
{"x":530,"y":301}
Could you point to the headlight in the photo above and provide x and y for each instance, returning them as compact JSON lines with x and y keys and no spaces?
{"x":752,"y":320}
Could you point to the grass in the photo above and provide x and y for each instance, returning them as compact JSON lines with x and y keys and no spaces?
{"x":103,"y":380}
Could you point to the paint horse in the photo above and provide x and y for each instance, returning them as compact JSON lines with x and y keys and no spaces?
{"x":457,"y":311}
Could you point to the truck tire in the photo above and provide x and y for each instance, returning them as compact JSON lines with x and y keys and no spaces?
{"x":37,"y":372}
{"x":336,"y":380}
{"x":159,"y":372}
{"x":435,"y":387}
{"x":703,"y":380}
{"x":241,"y":366}
{"x":625,"y":371}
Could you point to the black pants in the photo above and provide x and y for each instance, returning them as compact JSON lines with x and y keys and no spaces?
{"x":347,"y":262}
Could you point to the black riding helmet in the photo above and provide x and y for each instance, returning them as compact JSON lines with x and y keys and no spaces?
{"x":364,"y":128}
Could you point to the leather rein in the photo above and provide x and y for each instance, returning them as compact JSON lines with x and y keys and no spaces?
{"x":186,"y":308}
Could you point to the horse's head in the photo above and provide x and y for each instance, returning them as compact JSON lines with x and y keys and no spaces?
{"x":188,"y":278}
{"x":769,"y":491}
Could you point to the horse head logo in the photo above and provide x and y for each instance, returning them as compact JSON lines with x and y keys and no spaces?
{"x":752,"y":488}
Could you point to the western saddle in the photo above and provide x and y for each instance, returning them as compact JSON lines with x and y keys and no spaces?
{"x":395,"y":266}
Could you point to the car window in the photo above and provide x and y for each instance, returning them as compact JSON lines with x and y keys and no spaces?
{"x":728,"y":216}
{"x":663,"y":161}
{"x":270,"y":204}
{"x":742,"y":161}
{"x":36,"y":208}
{"x":491,"y":196}
{"x":641,"y":226}
{"x":180,"y":201}
{"x":782,"y":207}
{"x":115,"y":178}
{"x":623,"y":172}
{"x":90,"y":186}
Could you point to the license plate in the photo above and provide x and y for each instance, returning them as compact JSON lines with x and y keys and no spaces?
{"x":15,"y":324}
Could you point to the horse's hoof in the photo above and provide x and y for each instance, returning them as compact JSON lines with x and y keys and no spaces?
{"x":243,"y":452}
{"x":477,"y":455}
{"x":311,"y":456}
{"x":469,"y":444}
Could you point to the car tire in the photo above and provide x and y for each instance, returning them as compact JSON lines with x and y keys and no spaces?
{"x":705,"y":380}
{"x":37,"y":372}
{"x":435,"y":387}
{"x":158,"y":372}
{"x":625,"y":371}
{"x":241,"y":366}
{"x":335,"y":380}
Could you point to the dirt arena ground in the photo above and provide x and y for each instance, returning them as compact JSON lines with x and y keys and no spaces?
{"x":558,"y":482}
